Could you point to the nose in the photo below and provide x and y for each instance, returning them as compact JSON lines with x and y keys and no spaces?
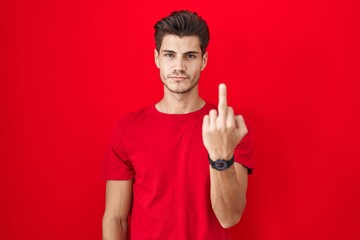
{"x":179,"y":64}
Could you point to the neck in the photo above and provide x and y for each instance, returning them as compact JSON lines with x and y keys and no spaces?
{"x":173,"y":103}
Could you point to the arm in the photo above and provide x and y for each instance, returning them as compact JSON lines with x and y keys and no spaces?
{"x":228,"y":194}
{"x":222,"y":132}
{"x":117,"y":207}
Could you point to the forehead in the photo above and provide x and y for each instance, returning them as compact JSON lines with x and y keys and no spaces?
{"x":180,"y":44}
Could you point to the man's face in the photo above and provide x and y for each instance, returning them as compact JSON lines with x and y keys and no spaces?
{"x":180,"y":62}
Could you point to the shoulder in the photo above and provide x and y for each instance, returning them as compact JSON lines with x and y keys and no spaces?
{"x":136,"y":117}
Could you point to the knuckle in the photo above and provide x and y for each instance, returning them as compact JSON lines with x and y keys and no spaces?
{"x":240,"y":117}
{"x":212,"y":112}
{"x":244,"y":131}
{"x":230,"y":125}
{"x":221,"y":128}
{"x":211,"y":131}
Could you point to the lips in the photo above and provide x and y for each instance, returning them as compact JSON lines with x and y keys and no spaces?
{"x":178,"y":77}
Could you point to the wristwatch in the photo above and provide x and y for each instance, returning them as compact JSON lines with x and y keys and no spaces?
{"x":221,"y":164}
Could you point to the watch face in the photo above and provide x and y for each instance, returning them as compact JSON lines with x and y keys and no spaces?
{"x":220,"y":164}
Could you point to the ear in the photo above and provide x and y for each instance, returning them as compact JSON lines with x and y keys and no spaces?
{"x":204,"y":61}
{"x":156,"y":57}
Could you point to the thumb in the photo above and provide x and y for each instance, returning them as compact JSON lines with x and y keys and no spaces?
{"x":240,"y":125}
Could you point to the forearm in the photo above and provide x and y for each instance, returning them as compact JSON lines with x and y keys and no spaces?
{"x":227,"y":196}
{"x":114,"y":229}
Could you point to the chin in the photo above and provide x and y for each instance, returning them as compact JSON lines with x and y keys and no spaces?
{"x":180,"y":88}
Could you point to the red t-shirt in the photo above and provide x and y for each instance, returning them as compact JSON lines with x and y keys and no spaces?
{"x":165,"y":155}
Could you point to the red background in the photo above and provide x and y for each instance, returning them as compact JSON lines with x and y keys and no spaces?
{"x":69,"y":69}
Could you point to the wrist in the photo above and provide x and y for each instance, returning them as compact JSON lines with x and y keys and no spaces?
{"x":226,"y":157}
{"x":221,"y":164}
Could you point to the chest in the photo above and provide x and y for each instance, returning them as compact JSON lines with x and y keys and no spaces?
{"x":169,"y":154}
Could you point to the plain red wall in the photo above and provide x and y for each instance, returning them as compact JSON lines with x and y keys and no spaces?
{"x":69,"y":69}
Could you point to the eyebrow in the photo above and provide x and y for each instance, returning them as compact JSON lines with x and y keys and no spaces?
{"x":189,"y":52}
{"x":192,"y":52}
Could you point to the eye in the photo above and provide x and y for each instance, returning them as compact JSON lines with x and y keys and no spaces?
{"x":190,"y":56}
{"x":170,"y":55}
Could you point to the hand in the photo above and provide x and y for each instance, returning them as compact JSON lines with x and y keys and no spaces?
{"x":221,"y":130}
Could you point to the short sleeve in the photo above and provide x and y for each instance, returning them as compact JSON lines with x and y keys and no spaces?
{"x":244,"y":152}
{"x":117,"y":165}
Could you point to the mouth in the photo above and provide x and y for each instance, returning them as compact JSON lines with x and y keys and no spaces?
{"x":178,"y":78}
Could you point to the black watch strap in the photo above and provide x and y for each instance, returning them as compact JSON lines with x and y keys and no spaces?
{"x":221,"y":164}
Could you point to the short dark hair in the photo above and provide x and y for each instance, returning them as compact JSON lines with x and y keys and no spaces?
{"x":183,"y":23}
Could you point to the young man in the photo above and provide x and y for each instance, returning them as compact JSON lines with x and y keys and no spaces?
{"x":179,"y":167}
